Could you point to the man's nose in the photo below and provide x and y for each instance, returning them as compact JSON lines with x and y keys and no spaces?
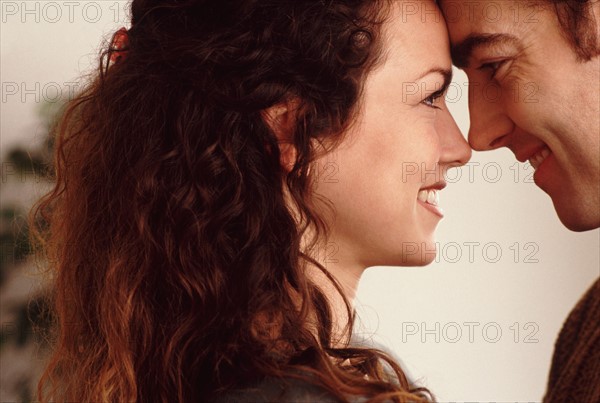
{"x":490,"y":125}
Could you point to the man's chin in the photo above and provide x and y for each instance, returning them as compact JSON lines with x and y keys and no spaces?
{"x":578,"y":220}
{"x":577,"y":210}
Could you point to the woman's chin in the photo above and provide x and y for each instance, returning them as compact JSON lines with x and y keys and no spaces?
{"x":416,"y":254}
{"x":430,"y":259}
{"x":420,"y":262}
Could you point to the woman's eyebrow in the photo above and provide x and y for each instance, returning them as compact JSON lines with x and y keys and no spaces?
{"x":445,"y":73}
{"x":462,"y":51}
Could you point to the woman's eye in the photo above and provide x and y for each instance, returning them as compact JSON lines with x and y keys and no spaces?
{"x":430,"y":100}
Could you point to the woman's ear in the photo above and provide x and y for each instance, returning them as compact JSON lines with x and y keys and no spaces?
{"x":281,"y":119}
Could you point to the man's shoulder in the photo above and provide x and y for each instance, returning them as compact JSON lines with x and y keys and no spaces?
{"x":584,"y":317}
{"x":575,"y":370}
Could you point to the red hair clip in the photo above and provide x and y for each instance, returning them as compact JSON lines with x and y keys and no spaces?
{"x":119,"y":45}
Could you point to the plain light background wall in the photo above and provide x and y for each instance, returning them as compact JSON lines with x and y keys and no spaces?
{"x":479,"y":324}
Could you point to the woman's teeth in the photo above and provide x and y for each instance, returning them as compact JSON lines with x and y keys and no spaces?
{"x":431,"y":196}
{"x":539,"y":157}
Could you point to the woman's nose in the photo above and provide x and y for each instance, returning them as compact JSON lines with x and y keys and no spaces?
{"x":455,"y":149}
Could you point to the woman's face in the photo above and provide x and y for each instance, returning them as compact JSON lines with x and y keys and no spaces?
{"x":385,"y":178}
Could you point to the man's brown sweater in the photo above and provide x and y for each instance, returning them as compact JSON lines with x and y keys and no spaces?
{"x":575,"y":371}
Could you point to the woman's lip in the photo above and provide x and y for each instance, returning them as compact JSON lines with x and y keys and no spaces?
{"x":437,"y":186}
{"x":434,"y":209}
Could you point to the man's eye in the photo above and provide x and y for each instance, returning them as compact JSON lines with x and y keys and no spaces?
{"x":493,"y":66}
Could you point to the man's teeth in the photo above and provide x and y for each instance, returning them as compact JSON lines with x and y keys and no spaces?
{"x":539,"y":157}
{"x":431,"y":196}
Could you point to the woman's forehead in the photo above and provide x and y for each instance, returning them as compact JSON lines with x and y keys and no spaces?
{"x":416,"y":39}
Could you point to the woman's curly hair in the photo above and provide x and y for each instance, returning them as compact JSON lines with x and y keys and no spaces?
{"x":176,"y":261}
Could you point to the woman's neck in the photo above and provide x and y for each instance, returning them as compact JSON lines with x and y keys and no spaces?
{"x":348,"y":275}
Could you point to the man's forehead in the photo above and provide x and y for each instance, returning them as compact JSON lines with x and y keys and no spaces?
{"x":467,"y":17}
{"x":479,"y":25}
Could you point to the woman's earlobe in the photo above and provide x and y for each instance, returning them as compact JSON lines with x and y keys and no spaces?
{"x":288,"y":155}
{"x":281,"y":119}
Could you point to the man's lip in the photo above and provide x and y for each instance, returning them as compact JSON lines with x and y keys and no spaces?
{"x":525,"y":155}
{"x":437,"y":186}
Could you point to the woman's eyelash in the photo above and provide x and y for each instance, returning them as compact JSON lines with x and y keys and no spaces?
{"x":430,"y":100}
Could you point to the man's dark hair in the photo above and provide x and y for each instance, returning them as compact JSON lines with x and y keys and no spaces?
{"x":578,"y":23}
{"x":579,"y":26}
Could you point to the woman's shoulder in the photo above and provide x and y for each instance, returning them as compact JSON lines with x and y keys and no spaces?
{"x":272,"y":389}
{"x":290,"y":389}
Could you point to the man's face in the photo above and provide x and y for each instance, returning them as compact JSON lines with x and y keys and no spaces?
{"x":528,"y":92}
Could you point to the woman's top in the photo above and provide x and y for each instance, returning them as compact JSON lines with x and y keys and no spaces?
{"x":294,"y":390}
{"x":276,"y":390}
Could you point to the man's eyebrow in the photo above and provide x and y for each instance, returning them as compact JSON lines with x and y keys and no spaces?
{"x":462,"y":51}
{"x":446,"y":73}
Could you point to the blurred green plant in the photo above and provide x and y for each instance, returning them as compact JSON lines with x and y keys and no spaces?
{"x":14,"y":233}
{"x":14,"y":239}
{"x":38,"y":161}
{"x":30,"y":316}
